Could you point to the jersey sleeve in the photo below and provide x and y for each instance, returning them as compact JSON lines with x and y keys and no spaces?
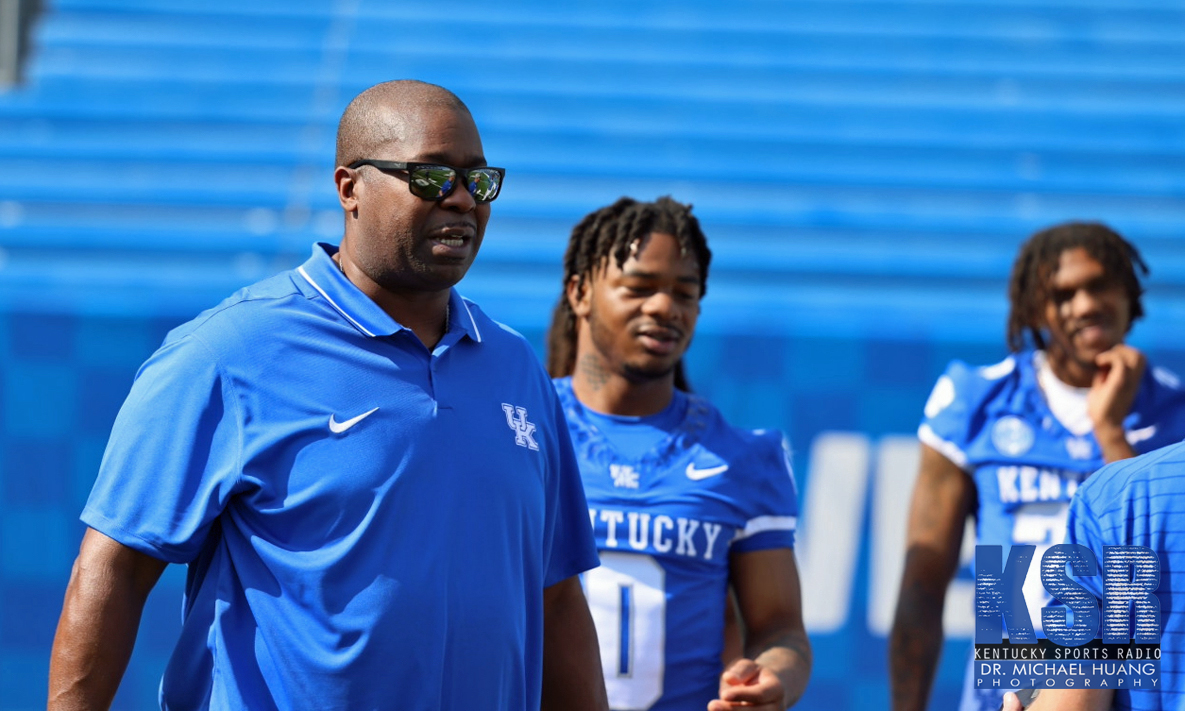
{"x":773,"y":516}
{"x":569,"y":545}
{"x":951,"y":410}
{"x":1157,"y":417}
{"x":174,"y":456}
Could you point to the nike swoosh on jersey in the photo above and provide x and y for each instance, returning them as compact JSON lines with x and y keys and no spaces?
{"x":698,"y":474}
{"x":339,"y":427}
{"x":1134,"y":436}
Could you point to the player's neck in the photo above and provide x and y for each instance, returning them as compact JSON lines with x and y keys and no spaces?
{"x":614,"y":394}
{"x":1070,"y":371}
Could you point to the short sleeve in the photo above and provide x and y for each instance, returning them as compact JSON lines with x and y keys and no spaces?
{"x":1157,"y":417}
{"x":774,"y":513}
{"x":570,"y":548}
{"x":174,"y":457}
{"x":952,"y":406}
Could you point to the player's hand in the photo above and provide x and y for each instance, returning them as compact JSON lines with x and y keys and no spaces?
{"x":746,"y":684}
{"x":1012,"y":703}
{"x":1114,"y":388}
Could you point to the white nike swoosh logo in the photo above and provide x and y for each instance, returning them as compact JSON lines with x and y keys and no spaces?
{"x":339,"y":427}
{"x":1141,"y":434}
{"x":698,"y":474}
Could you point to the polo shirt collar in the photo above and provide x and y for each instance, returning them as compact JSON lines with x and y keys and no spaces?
{"x":322,"y":275}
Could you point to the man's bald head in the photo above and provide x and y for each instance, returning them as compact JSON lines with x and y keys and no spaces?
{"x":380,"y":115}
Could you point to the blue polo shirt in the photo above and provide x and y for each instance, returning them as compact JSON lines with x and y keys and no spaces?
{"x":366,"y":523}
{"x":1141,"y":502}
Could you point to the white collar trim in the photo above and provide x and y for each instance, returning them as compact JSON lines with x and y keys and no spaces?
{"x":333,"y":303}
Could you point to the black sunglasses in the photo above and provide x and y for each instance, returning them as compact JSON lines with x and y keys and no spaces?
{"x":435,"y":182}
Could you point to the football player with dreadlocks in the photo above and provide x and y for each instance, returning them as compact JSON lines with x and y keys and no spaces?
{"x":1011,"y":442}
{"x":682,"y":504}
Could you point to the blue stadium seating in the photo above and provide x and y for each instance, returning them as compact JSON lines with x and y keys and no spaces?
{"x":864,"y":169}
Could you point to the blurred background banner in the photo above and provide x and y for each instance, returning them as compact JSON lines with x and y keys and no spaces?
{"x":864,"y":170}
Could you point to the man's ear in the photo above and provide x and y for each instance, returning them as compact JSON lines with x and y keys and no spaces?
{"x":579,"y":294}
{"x":347,"y":186}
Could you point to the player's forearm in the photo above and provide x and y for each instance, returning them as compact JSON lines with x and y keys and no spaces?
{"x":915,"y":644}
{"x":94,"y":641}
{"x":572,"y":678}
{"x":788,"y":655}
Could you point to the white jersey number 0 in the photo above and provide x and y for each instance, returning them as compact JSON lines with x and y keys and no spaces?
{"x":627,"y":596}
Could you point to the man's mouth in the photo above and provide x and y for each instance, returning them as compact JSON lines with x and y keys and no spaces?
{"x":1094,"y":332}
{"x":660,"y":340}
{"x":454,"y":237}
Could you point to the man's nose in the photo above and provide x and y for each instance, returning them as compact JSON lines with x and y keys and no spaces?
{"x":660,"y":304}
{"x":1084,"y":302}
{"x":459,"y":200}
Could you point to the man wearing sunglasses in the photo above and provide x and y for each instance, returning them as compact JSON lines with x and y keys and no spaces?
{"x":371,"y":481}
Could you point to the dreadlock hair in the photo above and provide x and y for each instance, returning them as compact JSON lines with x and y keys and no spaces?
{"x":1028,"y":289}
{"x":615,"y":231}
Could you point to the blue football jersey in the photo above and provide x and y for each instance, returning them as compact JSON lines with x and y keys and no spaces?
{"x":665,"y":523}
{"x":1141,"y":502}
{"x":994,"y":422}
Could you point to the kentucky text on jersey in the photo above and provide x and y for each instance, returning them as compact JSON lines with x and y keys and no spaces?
{"x":1025,"y":484}
{"x":658,"y":534}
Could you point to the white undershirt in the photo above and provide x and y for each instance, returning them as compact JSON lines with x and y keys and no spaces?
{"x":1066,"y":402}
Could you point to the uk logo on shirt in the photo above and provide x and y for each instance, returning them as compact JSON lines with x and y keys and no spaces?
{"x":516,"y":419}
{"x":1079,"y":448}
{"x":624,"y":476}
